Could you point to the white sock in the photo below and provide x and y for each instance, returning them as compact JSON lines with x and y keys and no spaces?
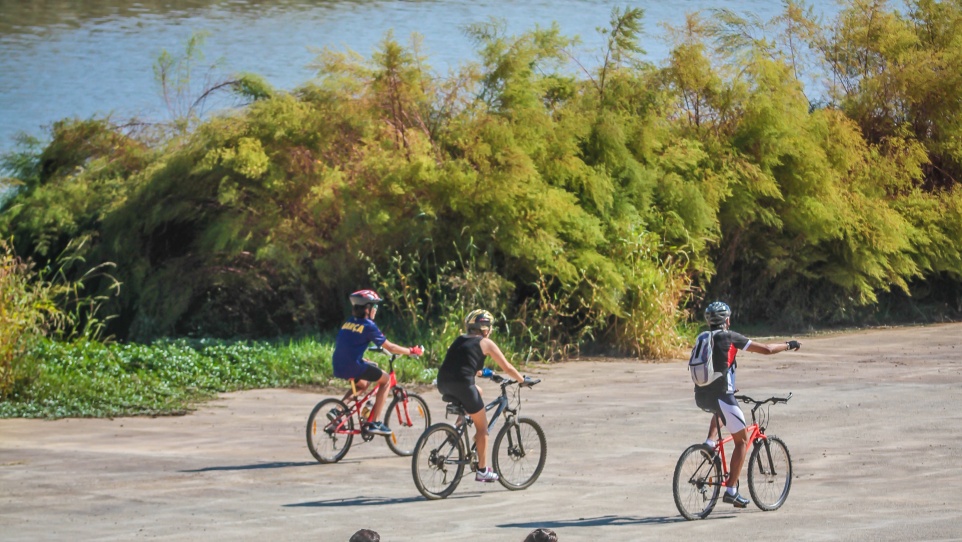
{"x":710,"y":443}
{"x":731,"y":491}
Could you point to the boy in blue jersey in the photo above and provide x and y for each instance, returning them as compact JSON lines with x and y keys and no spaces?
{"x":349,"y":347}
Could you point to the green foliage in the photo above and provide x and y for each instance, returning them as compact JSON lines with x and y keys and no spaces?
{"x":27,"y":314}
{"x":35,"y":304}
{"x":593,"y":209}
{"x":87,"y":378}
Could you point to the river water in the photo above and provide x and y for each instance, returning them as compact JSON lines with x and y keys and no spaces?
{"x":81,"y":58}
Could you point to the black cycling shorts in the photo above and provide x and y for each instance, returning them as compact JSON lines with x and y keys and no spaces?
{"x":724,"y":405}
{"x":465,"y":392}
{"x":371,"y":373}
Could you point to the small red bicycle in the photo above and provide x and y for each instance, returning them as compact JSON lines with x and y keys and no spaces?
{"x":701,"y":471}
{"x":333,"y":424}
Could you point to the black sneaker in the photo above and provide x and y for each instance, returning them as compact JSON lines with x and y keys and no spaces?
{"x":333,"y":414}
{"x":378,"y":428}
{"x":736,"y":499}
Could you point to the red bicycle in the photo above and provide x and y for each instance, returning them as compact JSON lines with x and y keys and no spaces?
{"x":333,"y":424}
{"x":701,"y":471}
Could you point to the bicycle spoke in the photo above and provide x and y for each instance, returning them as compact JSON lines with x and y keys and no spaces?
{"x":408,"y":417}
{"x":770,"y":473}
{"x":329,"y":439}
{"x":696,"y":482}
{"x":439,"y":461}
{"x":519,"y":453}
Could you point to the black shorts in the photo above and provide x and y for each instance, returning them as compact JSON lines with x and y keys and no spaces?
{"x":465,"y":392}
{"x":371,"y":373}
{"x":725,"y":405}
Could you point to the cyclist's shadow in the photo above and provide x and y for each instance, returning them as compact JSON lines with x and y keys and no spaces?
{"x":371,"y":501}
{"x":598,"y":521}
{"x":255,"y":466}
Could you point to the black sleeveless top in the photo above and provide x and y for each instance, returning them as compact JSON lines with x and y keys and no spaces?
{"x":463,"y":360}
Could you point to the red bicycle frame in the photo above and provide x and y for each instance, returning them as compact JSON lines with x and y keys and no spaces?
{"x":355,"y":403}
{"x":754,"y":434}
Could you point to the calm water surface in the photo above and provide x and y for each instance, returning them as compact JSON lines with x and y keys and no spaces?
{"x":80,"y":58}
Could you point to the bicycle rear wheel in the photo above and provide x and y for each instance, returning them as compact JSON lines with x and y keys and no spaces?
{"x":438,"y":461}
{"x":408,"y":417}
{"x":519,"y":453}
{"x":697,"y":481}
{"x":330,"y":431}
{"x":770,"y":473}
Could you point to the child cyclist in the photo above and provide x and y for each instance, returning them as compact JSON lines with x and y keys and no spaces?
{"x":463,"y":361}
{"x":350,"y":345}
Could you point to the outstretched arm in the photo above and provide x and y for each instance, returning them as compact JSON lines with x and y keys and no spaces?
{"x":399,"y":350}
{"x":773,"y":348}
{"x":491,"y":349}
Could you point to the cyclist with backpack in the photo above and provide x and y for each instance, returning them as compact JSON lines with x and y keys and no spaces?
{"x":349,"y":346}
{"x":715,"y":385}
{"x":465,"y":360}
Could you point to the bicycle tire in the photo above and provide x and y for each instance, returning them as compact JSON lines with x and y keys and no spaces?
{"x":438,"y":461}
{"x":697,"y":481}
{"x":770,"y":482}
{"x":329,"y":440}
{"x":519,"y":453}
{"x":405,"y":435}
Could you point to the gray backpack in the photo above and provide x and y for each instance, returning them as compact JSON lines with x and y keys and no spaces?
{"x":700,"y":364}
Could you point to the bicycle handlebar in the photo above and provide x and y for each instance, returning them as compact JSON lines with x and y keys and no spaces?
{"x":528,"y":382}
{"x":773,"y":399}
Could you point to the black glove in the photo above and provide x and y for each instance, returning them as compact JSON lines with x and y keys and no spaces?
{"x":794,"y":345}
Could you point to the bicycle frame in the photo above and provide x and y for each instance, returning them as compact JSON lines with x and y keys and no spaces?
{"x":500,"y":405}
{"x":756,"y":433}
{"x":355,"y":403}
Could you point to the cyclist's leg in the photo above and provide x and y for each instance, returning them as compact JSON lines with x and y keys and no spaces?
{"x":714,"y":431}
{"x":469,"y":394}
{"x":707,"y":400}
{"x":736,"y":425}
{"x":372,"y":373}
{"x":480,"y":420}
{"x":359,"y":387}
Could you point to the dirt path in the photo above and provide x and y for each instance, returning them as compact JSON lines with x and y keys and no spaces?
{"x":874,"y":428}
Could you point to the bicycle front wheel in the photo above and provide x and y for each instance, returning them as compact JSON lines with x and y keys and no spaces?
{"x":770,"y":473}
{"x":519,"y":453}
{"x":330,"y":431}
{"x":438,"y":461}
{"x":697,"y":481}
{"x":408,"y":417}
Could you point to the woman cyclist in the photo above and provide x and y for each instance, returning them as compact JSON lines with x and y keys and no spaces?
{"x":463,"y":361}
{"x":349,"y":363}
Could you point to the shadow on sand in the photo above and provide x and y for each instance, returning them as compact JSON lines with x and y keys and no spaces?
{"x":372,"y":501}
{"x":274,"y":465}
{"x":594,"y":522}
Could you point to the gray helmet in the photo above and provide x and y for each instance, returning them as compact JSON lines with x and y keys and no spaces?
{"x":716,"y":313}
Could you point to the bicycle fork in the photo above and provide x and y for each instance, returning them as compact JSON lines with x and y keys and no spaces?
{"x":768,"y":455}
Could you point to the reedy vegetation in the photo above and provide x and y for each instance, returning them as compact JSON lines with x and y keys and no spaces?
{"x":590,"y":207}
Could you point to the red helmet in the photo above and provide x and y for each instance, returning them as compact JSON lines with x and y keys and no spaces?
{"x":362,"y":298}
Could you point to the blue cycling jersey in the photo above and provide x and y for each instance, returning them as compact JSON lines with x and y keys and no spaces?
{"x":352,"y":340}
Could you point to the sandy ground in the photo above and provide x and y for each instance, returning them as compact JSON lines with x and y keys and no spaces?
{"x":874,"y":428}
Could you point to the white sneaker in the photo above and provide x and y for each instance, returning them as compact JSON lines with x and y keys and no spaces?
{"x":486,"y":475}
